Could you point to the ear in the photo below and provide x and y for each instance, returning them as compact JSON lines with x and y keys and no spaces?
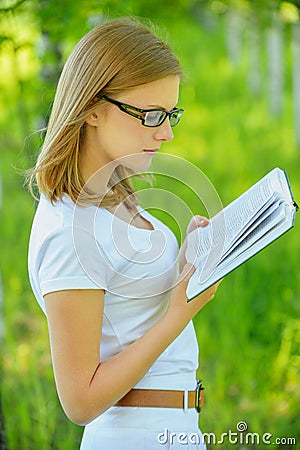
{"x":92,"y":119}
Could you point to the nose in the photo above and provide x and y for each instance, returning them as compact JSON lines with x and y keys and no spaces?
{"x":164,"y":132}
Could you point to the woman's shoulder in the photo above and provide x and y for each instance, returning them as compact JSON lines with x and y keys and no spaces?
{"x":56,"y":235}
{"x":48,"y":218}
{"x":65,"y":221}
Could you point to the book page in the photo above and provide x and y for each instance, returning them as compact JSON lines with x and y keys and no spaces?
{"x":284,"y":222}
{"x":273,"y":210}
{"x":207,"y":245}
{"x":239,"y":213}
{"x":268,"y":222}
{"x":281,"y":185}
{"x":215,"y":253}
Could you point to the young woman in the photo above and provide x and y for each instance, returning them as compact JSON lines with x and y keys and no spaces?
{"x":123,"y":345}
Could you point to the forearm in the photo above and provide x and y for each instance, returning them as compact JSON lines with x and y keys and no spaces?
{"x":116,"y":376}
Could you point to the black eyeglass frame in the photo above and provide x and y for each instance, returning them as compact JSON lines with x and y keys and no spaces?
{"x":124,"y":108}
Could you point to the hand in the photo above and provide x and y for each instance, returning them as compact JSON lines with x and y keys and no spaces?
{"x":195,"y":222}
{"x":179,"y":305}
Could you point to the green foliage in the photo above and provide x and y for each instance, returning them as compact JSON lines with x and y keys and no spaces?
{"x":249,"y":335}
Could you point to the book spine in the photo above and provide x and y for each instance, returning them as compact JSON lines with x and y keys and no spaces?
{"x":291,"y":192}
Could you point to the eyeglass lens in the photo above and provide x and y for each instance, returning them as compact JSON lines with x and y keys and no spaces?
{"x":175,"y":117}
{"x":156,"y":118}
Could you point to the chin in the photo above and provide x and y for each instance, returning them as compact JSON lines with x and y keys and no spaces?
{"x":138,"y":163}
{"x":140,"y":168}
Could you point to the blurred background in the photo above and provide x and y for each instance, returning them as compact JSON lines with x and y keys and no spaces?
{"x":241,"y":98}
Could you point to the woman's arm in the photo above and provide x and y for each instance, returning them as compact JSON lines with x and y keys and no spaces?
{"x":87,"y":387}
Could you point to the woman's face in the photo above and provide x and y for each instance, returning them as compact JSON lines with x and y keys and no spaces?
{"x":112,"y":136}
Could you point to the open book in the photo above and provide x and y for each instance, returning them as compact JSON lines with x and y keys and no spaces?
{"x":243,"y":228}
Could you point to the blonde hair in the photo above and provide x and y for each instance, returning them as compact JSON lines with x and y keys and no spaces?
{"x":113,"y":57}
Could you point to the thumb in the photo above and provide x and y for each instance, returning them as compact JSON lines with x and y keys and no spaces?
{"x":187,"y":272}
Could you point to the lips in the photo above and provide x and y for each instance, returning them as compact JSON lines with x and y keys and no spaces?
{"x":154,"y":150}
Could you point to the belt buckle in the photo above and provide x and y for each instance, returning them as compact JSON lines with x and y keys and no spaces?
{"x":199,"y":396}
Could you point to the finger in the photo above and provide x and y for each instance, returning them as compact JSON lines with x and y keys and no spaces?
{"x":202,"y":221}
{"x":196,"y":222}
{"x":218,"y":283}
{"x":215,"y":288}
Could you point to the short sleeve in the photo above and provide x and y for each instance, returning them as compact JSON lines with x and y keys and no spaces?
{"x":71,"y":259}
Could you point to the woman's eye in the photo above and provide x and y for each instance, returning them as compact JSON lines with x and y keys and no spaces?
{"x":154,"y":117}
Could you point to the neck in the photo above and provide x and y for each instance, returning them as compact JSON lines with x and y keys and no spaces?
{"x":96,"y":176}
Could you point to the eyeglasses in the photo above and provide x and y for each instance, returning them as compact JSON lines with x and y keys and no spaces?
{"x":148,"y":117}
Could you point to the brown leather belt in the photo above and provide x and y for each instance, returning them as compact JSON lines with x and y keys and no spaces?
{"x":157,"y":398}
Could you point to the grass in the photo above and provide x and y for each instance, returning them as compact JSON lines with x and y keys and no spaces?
{"x":249,"y":335}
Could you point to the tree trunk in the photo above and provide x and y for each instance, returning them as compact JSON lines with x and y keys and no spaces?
{"x":254,"y":75}
{"x":3,"y":444}
{"x":234,"y":35}
{"x":275,"y":62}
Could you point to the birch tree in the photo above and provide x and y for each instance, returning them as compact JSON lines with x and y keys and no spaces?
{"x":234,"y":35}
{"x":254,"y":69}
{"x":275,"y":66}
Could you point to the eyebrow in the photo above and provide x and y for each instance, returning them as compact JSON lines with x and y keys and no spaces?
{"x":162,"y":107}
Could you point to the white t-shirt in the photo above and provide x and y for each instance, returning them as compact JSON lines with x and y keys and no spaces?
{"x":74,"y":247}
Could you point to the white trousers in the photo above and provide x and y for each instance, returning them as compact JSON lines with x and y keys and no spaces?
{"x":128,"y":428}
